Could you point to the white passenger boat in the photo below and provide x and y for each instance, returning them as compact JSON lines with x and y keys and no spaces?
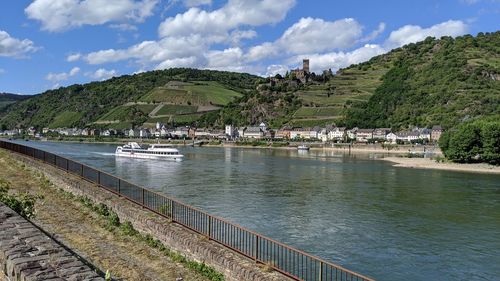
{"x":303,"y":147}
{"x":154,"y":151}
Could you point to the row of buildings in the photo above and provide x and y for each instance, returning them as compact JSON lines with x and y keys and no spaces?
{"x":335,"y":134}
{"x":261,"y":132}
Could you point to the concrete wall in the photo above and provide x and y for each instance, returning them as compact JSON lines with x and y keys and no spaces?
{"x":234,"y":266}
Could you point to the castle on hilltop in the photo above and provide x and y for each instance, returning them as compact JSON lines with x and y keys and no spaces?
{"x":302,"y":74}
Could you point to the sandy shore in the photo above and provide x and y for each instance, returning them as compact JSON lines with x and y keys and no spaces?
{"x":426,"y":163}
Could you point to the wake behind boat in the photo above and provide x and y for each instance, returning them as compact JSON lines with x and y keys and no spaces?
{"x":154,"y":151}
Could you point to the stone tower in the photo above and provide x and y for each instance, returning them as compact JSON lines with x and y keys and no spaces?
{"x":305,"y":65}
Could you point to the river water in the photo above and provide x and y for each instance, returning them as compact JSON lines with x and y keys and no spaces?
{"x":382,"y":221}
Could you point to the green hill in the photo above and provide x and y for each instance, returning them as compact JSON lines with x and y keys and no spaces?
{"x":437,"y":81}
{"x":123,"y":101}
{"x":445,"y":81}
{"x":7,"y":99}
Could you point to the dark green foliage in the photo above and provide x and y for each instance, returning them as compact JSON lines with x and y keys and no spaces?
{"x":443,"y":81}
{"x":275,"y":108}
{"x":23,"y":204}
{"x":477,"y":141}
{"x":93,"y":100}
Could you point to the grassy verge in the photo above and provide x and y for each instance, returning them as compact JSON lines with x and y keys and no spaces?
{"x":114,"y":225}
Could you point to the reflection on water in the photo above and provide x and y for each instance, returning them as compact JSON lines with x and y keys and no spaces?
{"x":389,"y":223}
{"x":149,"y":168}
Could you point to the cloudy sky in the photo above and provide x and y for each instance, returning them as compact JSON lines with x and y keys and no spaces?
{"x":46,"y":44}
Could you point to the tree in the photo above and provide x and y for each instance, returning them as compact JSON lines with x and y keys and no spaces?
{"x":490,"y":136}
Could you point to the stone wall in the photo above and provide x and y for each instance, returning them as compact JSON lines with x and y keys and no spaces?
{"x":234,"y":266}
{"x":27,"y":254}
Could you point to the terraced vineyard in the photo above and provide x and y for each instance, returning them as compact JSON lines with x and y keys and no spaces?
{"x":326,"y":103}
{"x":196,"y":93}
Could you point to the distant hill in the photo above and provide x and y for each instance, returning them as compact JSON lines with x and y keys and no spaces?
{"x":174,"y":95}
{"x":445,"y":81}
{"x":7,"y":99}
{"x":437,"y":81}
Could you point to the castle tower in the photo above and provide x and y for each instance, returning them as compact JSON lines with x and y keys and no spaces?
{"x":305,"y":65}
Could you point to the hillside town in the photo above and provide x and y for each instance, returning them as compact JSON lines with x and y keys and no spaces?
{"x":325,"y":134}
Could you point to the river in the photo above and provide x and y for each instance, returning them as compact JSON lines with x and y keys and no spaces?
{"x":382,"y":221}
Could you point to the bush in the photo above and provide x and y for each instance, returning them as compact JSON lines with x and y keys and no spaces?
{"x":477,"y":141}
{"x":23,"y":204}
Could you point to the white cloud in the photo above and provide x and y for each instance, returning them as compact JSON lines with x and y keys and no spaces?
{"x":375,"y":33}
{"x":56,"y":77}
{"x":65,"y":14}
{"x":13,"y":47}
{"x":310,"y":35}
{"x":102,"y":74}
{"x":123,"y":26}
{"x":194,"y":3}
{"x":316,"y":35}
{"x":414,"y":33}
{"x":237,"y":35}
{"x":73,"y":57}
{"x":404,"y":35}
{"x":274,"y":69}
{"x":215,"y":25}
{"x":336,"y":60}
{"x":149,"y":52}
{"x":178,"y":62}
{"x":185,"y":39}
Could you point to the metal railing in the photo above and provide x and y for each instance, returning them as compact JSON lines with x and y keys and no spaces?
{"x":285,"y":259}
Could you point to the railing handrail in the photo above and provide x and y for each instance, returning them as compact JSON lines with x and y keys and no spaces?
{"x":176,"y":201}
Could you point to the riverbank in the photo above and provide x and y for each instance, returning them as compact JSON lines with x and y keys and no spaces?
{"x":200,"y":257}
{"x":87,"y":233}
{"x":427,"y":163}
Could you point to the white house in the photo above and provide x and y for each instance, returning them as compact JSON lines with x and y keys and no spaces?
{"x":363,"y":135}
{"x":337,"y":133}
{"x":351,"y":134}
{"x":253,"y":133}
{"x":323,"y":135}
{"x":300,"y":133}
{"x":230,"y":131}
{"x":391,"y":137}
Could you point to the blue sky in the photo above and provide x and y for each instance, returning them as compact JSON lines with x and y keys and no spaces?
{"x":46,"y":44}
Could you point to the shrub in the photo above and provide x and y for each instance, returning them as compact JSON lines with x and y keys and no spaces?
{"x":23,"y":204}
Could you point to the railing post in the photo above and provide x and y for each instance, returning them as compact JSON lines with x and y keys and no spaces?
{"x":172,"y":209}
{"x":44,"y":157}
{"x":81,"y":170}
{"x":142,"y":197}
{"x":119,"y":186}
{"x":209,"y":228}
{"x":67,"y":165}
{"x":320,"y":271}
{"x":98,"y":177}
{"x":256,"y":248}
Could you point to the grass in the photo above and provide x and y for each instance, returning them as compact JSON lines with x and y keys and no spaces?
{"x":313,"y":122}
{"x":318,"y":111}
{"x":173,"y":109}
{"x":197,"y":93}
{"x":184,"y":119}
{"x":65,"y":119}
{"x":121,"y":112}
{"x":126,"y":228}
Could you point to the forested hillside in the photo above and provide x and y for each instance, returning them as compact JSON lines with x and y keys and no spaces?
{"x":6,"y":99}
{"x":81,"y":105}
{"x":443,"y":81}
{"x":437,"y":81}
